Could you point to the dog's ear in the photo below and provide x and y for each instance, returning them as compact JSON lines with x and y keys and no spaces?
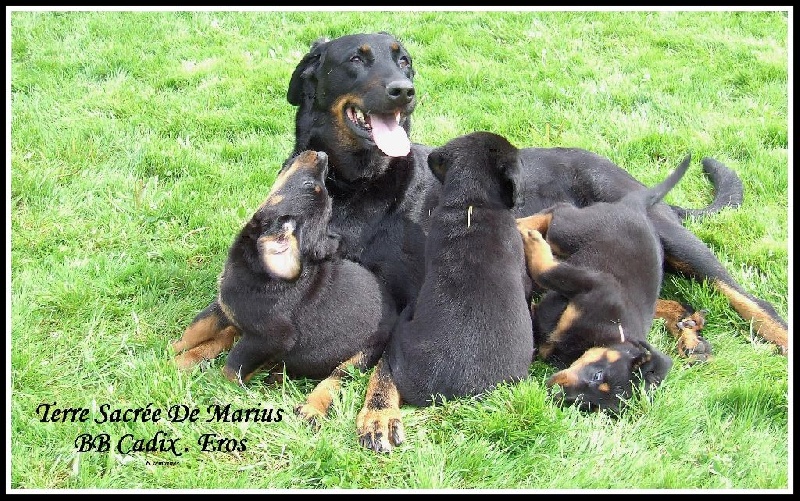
{"x":318,"y":244}
{"x":651,"y":365}
{"x":438,"y":163}
{"x":301,"y":84}
{"x":513,"y":173}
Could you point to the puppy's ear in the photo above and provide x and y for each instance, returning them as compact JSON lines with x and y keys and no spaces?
{"x":318,"y":244}
{"x":652,"y":366}
{"x":301,"y":83}
{"x":438,"y":163}
{"x":513,"y":173}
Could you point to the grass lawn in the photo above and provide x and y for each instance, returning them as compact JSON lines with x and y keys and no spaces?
{"x":142,"y":141}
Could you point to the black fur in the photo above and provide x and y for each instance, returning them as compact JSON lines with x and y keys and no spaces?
{"x":470,"y":327}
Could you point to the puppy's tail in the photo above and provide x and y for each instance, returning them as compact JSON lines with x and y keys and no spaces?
{"x":728,"y":190}
{"x":653,"y":195}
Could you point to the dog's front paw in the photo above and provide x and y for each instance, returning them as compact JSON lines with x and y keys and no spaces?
{"x":310,"y":414}
{"x":691,"y":344}
{"x":380,"y":430}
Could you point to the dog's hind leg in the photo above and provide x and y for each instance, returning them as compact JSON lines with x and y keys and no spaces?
{"x":379,"y":424}
{"x":316,"y":406}
{"x":685,"y":324}
{"x":209,"y":334}
{"x":688,"y":255}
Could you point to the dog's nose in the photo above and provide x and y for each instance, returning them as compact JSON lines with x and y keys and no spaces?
{"x":400,"y":91}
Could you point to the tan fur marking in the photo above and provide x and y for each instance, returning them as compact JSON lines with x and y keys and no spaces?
{"x":395,"y":46}
{"x":197,"y":333}
{"x":343,"y":132}
{"x":567,"y":318}
{"x":209,"y":349}
{"x":590,"y":356}
{"x":604,"y":387}
{"x":538,"y":222}
{"x":538,"y":255}
{"x":380,"y":416}
{"x":764,"y":325}
{"x":286,"y":265}
{"x":321,"y":397}
{"x":564,"y":378}
{"x":306,"y":160}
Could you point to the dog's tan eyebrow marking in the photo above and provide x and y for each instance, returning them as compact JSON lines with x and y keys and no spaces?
{"x":563,"y":378}
{"x":366,"y":48}
{"x":604,"y":387}
{"x":395,"y":46}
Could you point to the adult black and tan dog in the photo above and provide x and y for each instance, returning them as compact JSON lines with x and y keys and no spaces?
{"x":355,"y":96}
{"x":295,"y":304}
{"x":602,"y":286}
{"x":469,"y":328}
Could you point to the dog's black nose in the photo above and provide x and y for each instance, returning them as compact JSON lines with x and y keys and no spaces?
{"x":400,"y":91}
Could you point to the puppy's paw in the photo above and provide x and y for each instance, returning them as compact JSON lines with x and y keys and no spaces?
{"x":188,"y":359}
{"x":691,"y":344}
{"x":310,"y":414}
{"x":380,"y":430}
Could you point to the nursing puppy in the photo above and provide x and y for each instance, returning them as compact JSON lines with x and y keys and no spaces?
{"x":602,"y":268}
{"x":294,"y":302}
{"x":470,"y":327}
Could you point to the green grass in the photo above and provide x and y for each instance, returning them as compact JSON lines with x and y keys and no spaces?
{"x":141,"y":142}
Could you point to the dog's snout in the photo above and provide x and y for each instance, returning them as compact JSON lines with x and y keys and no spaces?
{"x":400,"y":91}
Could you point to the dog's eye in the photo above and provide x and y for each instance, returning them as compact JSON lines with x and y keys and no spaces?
{"x":356,"y":59}
{"x":598,"y":376}
{"x":404,"y":62}
{"x":308,"y":184}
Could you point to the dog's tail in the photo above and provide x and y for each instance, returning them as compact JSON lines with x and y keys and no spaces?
{"x":728,"y":190}
{"x":654,"y":194}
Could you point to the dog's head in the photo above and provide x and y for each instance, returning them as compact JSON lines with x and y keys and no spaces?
{"x":602,"y":378}
{"x":354,"y":93}
{"x":292,"y":224}
{"x":483,"y":165}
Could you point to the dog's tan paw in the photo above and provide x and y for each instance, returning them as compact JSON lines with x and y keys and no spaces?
{"x":380,"y":430}
{"x":311,"y":415}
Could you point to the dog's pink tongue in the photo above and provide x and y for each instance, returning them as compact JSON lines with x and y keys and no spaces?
{"x":389,"y":136}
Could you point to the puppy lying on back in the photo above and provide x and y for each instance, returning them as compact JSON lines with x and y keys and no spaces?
{"x":470,"y":327}
{"x":601,"y":295}
{"x":292,"y":300}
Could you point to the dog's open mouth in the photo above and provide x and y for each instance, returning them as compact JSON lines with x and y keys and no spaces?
{"x":384,"y":129}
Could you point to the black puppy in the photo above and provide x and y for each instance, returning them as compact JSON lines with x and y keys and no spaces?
{"x":296,"y":304}
{"x":602,"y":289}
{"x":470,"y":327}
